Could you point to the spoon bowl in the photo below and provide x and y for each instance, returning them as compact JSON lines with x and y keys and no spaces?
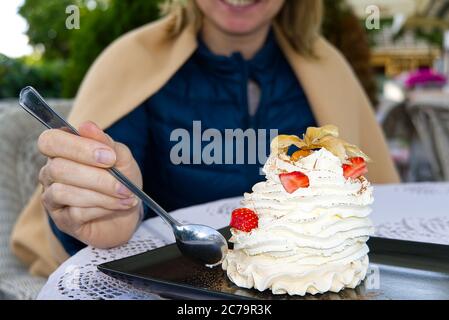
{"x":202,"y":243}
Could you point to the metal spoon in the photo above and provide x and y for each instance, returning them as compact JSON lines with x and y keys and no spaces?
{"x":199,"y":242}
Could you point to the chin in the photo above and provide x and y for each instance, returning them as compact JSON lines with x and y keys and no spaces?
{"x":240,"y":16}
{"x":237,"y":26}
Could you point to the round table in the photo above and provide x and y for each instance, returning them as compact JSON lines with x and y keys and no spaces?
{"x":415,"y":212}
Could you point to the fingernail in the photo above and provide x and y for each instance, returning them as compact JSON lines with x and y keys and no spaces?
{"x":104,"y":156}
{"x":132,"y":201}
{"x":123,"y":191}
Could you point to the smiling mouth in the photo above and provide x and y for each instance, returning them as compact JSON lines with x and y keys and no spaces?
{"x":240,"y":3}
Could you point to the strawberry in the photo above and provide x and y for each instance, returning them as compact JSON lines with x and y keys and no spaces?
{"x":244,"y":219}
{"x":355,"y":169}
{"x":293,"y":181}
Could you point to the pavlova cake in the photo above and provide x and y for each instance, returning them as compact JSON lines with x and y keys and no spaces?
{"x":304,"y":229}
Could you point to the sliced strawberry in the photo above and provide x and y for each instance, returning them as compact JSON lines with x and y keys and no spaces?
{"x":355,"y":169}
{"x":357,"y":161}
{"x":292,"y":181}
{"x":244,"y":219}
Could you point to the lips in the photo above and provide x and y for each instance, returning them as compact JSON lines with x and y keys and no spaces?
{"x":240,"y":3}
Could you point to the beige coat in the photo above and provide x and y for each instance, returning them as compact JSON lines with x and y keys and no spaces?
{"x":138,"y":64}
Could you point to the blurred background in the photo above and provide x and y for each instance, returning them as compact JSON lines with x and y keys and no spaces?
{"x":402,"y":61}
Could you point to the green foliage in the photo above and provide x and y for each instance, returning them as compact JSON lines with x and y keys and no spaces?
{"x":47,"y":31}
{"x":69,"y":53}
{"x":46,"y":25}
{"x":99,"y":28}
{"x":17,"y":73}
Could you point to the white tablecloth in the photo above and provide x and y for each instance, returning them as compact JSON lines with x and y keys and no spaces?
{"x":418,"y":212}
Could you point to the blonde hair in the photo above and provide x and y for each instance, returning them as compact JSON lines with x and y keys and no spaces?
{"x":299,"y":21}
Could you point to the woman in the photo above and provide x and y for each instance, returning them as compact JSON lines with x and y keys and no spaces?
{"x":238,"y":64}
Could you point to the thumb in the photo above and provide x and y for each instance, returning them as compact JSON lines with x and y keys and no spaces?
{"x":90,"y":130}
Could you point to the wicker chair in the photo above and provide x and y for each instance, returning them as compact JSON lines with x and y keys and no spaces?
{"x":20,"y":164}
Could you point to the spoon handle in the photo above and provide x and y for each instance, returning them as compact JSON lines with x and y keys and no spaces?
{"x":35,"y":105}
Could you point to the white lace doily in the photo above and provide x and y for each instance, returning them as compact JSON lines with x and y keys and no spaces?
{"x":86,"y":282}
{"x":78,"y":277}
{"x":412,"y":212}
{"x":435,"y":230}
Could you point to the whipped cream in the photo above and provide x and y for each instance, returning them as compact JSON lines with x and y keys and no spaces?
{"x":310,"y":241}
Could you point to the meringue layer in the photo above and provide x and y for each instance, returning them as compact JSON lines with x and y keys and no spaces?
{"x":310,"y":241}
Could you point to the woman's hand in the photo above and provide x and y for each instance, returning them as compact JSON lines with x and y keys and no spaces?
{"x":83,"y":199}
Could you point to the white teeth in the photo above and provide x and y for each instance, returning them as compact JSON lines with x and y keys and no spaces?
{"x":240,"y":3}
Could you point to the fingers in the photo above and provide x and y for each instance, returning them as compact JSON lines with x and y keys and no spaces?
{"x":58,"y":143}
{"x":71,"y":219}
{"x":90,"y":130}
{"x":59,"y":195}
{"x":68,"y":172}
{"x":98,"y":227}
{"x":75,"y":216}
{"x":125,"y":158}
{"x":44,"y":175}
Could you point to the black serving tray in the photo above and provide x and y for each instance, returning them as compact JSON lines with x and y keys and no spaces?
{"x":398,"y":270}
